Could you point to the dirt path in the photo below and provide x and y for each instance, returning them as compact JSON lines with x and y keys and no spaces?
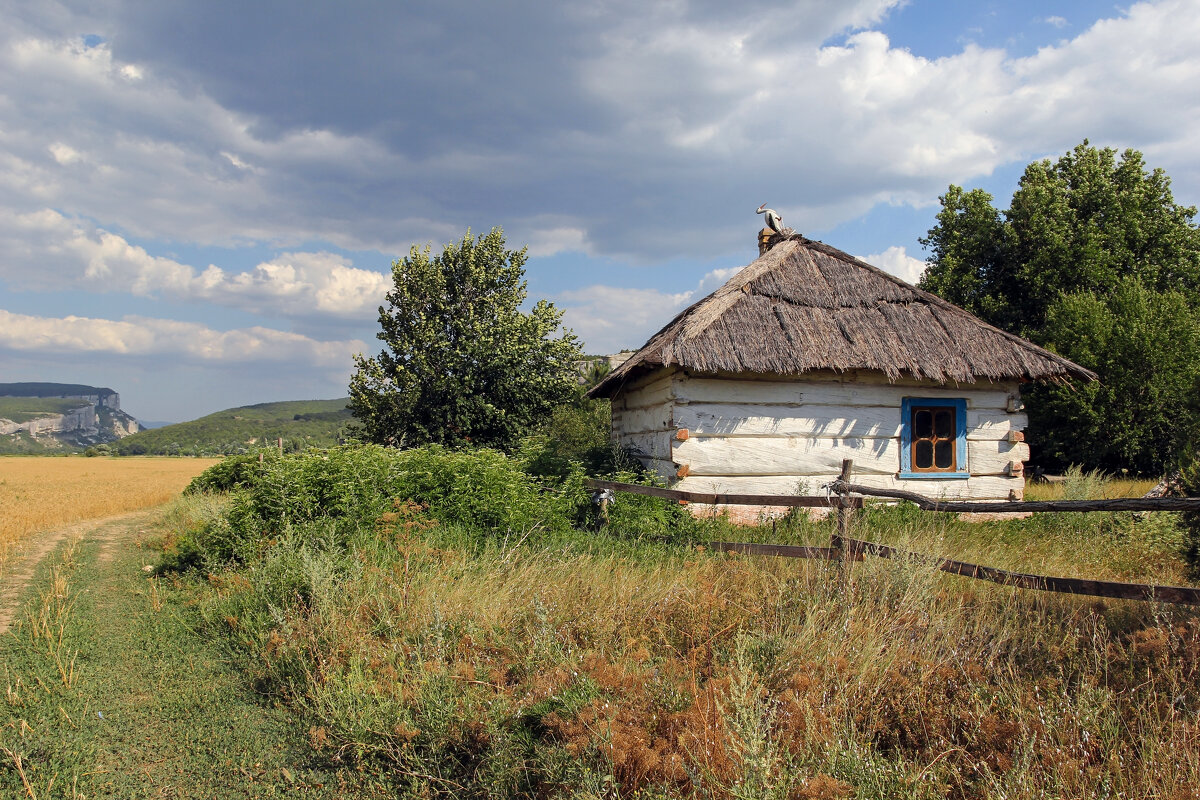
{"x":113,"y":692}
{"x":20,"y":574}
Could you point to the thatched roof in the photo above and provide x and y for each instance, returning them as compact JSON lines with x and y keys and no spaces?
{"x":804,"y":306}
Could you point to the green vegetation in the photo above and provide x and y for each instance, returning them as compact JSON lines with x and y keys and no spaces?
{"x":109,"y":693}
{"x":462,"y":363}
{"x":23,"y":409}
{"x":30,"y":389}
{"x":301,"y":424}
{"x":1095,"y":260}
{"x":440,"y":618}
{"x":21,"y":443}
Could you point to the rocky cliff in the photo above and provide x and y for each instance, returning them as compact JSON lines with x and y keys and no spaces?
{"x":55,"y":416}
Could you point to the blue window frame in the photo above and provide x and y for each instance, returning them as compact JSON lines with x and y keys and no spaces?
{"x":933,"y":438}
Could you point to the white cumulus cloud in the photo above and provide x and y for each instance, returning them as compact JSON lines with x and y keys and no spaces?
{"x":48,"y":250}
{"x":186,"y":342}
{"x":898,"y":262}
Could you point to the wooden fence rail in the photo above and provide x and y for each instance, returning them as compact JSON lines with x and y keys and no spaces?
{"x":1020,"y":506}
{"x":845,"y":549}
{"x":791,"y":501}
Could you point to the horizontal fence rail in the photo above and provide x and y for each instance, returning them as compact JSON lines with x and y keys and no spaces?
{"x":843,"y":548}
{"x":1126,"y":591}
{"x":792,"y":501}
{"x":783,"y":550}
{"x":856,"y":549}
{"x":1019,"y":506}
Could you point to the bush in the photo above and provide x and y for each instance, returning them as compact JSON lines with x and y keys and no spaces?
{"x":353,"y":487}
{"x":575,"y":437}
{"x":231,"y":473}
{"x":1189,"y":483}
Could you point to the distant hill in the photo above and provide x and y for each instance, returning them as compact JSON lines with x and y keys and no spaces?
{"x":300,"y":423}
{"x":32,"y":389}
{"x":60,"y":417}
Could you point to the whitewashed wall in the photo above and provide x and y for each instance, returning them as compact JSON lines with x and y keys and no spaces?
{"x":642,"y":420}
{"x":769,"y":436}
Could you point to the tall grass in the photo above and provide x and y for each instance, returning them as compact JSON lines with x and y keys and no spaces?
{"x":539,"y":661}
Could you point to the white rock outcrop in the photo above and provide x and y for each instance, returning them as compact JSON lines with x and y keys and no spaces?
{"x":97,"y":420}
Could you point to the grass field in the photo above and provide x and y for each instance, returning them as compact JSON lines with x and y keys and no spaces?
{"x":530,"y":658}
{"x":481,"y":641}
{"x":41,"y":493}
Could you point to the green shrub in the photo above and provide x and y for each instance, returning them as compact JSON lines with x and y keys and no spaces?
{"x":227,"y":474}
{"x":1189,"y":483}
{"x":576,"y":436}
{"x":352,"y":487}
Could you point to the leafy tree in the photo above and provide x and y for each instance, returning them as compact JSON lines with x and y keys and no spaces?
{"x":1146,"y":347}
{"x":1095,"y":260}
{"x":462,"y":363}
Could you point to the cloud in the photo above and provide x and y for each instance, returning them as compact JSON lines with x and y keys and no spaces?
{"x":47,"y":250}
{"x":180,"y":342}
{"x":592,"y":129}
{"x":610,"y":318}
{"x":898,"y":262}
{"x":1057,"y":22}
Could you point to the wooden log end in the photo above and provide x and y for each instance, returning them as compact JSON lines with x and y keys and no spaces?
{"x":682,"y":435}
{"x":1016,"y":436}
{"x":683,"y":471}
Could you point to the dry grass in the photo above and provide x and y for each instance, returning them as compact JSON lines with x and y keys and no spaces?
{"x":600,"y":670}
{"x":41,"y":493}
{"x":1109,"y":489}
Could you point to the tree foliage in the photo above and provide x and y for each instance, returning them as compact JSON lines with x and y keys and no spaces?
{"x":1095,"y":260}
{"x":1145,"y":345}
{"x":462,"y":363}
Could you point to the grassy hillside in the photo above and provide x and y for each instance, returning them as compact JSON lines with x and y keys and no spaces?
{"x":30,"y":389}
{"x":23,"y":409}
{"x":301,"y":423}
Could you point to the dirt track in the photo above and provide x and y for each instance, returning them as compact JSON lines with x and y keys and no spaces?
{"x":21,"y":572}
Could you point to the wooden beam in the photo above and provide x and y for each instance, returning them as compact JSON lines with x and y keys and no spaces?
{"x":790,"y":501}
{"x":781,"y":550}
{"x":1121,"y":504}
{"x":1184,"y":595}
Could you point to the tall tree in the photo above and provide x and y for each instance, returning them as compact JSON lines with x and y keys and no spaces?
{"x":1145,"y":346}
{"x":462,"y":363}
{"x":1096,"y":260}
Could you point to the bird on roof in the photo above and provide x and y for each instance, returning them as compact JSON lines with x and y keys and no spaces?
{"x":774,"y":221}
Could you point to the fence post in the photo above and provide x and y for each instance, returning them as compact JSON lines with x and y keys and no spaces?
{"x":838,"y":540}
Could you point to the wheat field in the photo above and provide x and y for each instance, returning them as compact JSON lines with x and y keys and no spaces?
{"x":39,"y":493}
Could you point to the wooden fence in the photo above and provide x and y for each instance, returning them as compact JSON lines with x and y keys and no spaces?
{"x":844,"y":549}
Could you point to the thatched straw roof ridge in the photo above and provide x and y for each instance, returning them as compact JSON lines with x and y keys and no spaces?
{"x":805,"y":306}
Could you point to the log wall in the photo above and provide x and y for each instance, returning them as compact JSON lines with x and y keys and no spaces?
{"x":770,"y":436}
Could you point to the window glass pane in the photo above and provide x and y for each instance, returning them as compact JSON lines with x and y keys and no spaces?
{"x":943,"y":423}
{"x":923,"y":454}
{"x":922,"y":424}
{"x":944,"y":453}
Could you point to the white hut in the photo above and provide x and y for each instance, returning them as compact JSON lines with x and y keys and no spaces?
{"x":809,"y":356}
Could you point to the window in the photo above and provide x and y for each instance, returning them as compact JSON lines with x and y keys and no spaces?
{"x":933,"y":438}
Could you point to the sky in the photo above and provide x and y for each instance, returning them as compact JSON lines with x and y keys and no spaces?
{"x":200,"y":201}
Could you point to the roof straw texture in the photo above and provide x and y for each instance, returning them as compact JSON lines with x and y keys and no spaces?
{"x":804,"y":305}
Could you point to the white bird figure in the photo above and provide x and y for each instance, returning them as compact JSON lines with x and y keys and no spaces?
{"x":774,"y":221}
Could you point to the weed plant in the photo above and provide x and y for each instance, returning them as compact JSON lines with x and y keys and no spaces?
{"x":437,"y":616}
